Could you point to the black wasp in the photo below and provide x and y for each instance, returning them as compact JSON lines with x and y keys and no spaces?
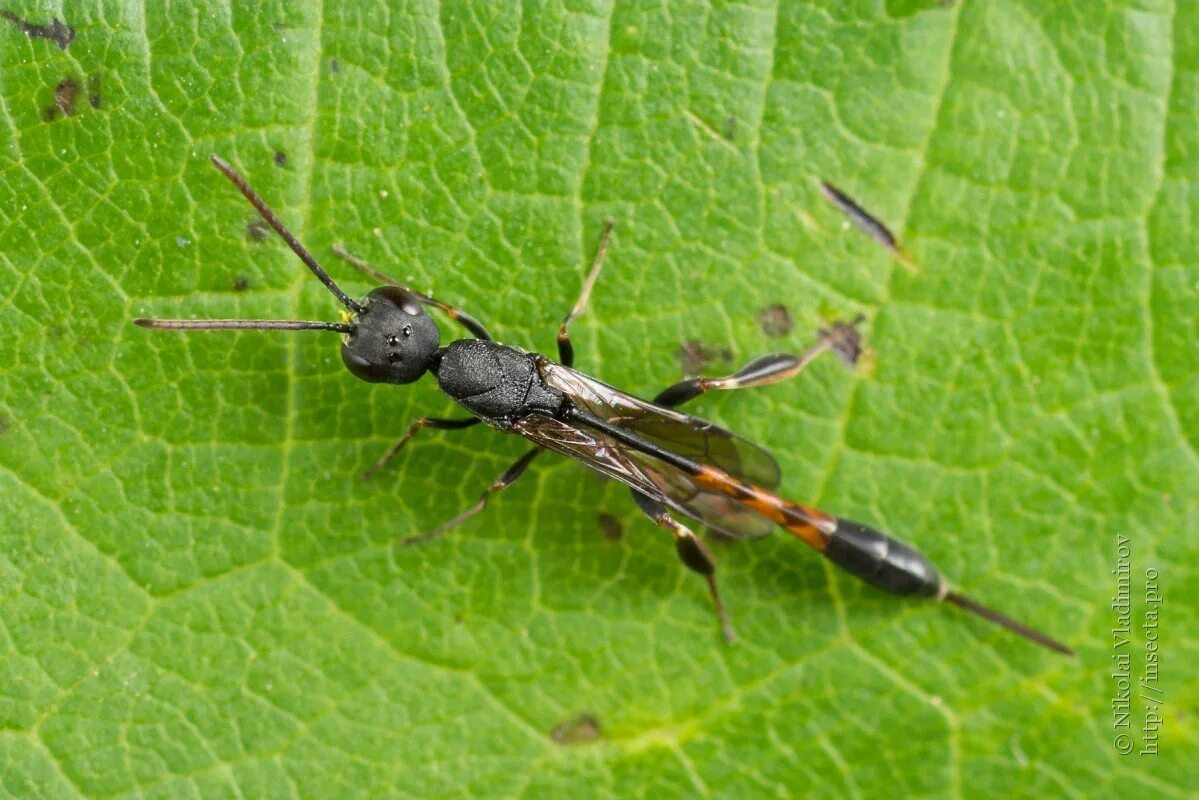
{"x":674,"y":463}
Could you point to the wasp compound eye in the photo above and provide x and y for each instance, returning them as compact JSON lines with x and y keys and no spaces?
{"x":394,"y":339}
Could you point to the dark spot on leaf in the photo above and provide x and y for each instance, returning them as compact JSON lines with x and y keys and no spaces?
{"x":334,"y":66}
{"x":55,"y":30}
{"x":776,"y":320}
{"x":241,"y":283}
{"x":93,"y":90}
{"x":611,"y":527}
{"x":257,"y":230}
{"x":65,"y":95}
{"x":55,"y":331}
{"x":695,"y":356}
{"x":730,"y":128}
{"x":845,"y":340}
{"x":280,"y":158}
{"x":580,"y":730}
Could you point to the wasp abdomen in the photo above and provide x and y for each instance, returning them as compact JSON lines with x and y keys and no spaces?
{"x":881,"y":560}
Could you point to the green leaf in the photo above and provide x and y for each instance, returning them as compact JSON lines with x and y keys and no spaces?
{"x":199,"y":598}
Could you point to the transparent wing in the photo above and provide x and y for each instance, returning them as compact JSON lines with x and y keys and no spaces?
{"x":643,"y":474}
{"x":591,"y":448}
{"x":692,"y":437}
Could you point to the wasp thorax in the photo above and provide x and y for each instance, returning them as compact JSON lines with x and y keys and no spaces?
{"x":394,"y":339}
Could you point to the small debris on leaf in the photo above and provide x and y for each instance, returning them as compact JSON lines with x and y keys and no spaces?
{"x":611,"y":526}
{"x":776,"y":320}
{"x":580,"y":730}
{"x":257,"y":230}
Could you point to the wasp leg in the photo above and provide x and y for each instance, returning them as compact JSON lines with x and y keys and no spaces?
{"x":692,"y":552}
{"x":453,"y":312}
{"x":842,"y":338}
{"x":421,"y":422}
{"x":566,"y":351}
{"x":505,"y":480}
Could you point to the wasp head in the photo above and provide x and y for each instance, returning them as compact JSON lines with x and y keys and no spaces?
{"x":394,"y":340}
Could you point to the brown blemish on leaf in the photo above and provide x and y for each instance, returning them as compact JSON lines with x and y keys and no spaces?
{"x":257,"y":230}
{"x":730,"y":128}
{"x":65,"y":95}
{"x":776,"y":320}
{"x":241,"y":283}
{"x":580,"y":730}
{"x":55,"y":30}
{"x":610,"y":526}
{"x":280,"y":158}
{"x":334,"y":66}
{"x":696,"y":355}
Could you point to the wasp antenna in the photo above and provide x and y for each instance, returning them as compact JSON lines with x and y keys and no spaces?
{"x":974,"y":607}
{"x":269,"y":216}
{"x":242,"y":325}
